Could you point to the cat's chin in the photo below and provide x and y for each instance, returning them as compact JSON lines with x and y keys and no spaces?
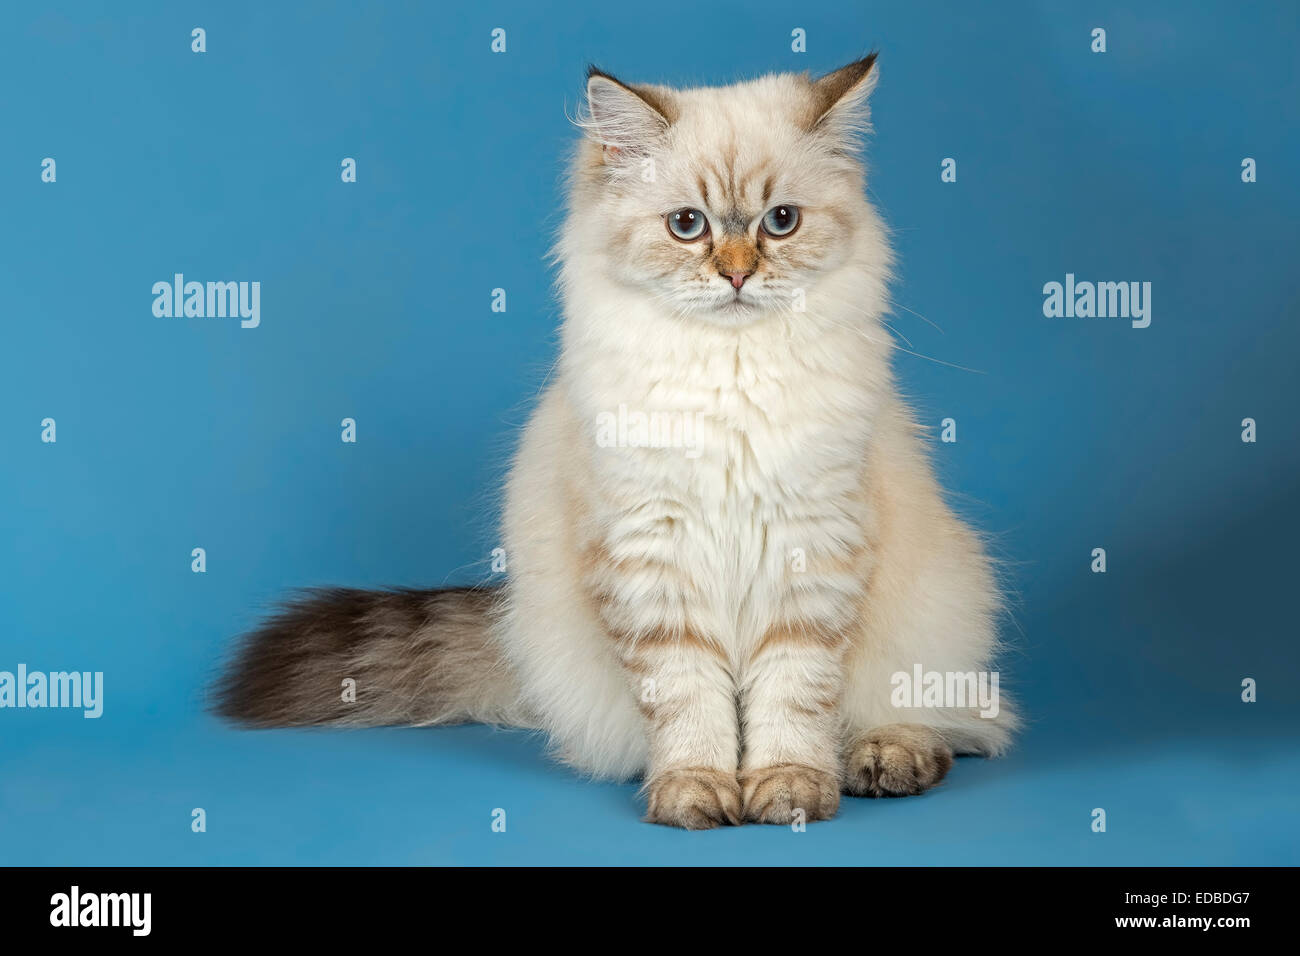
{"x":734,"y":311}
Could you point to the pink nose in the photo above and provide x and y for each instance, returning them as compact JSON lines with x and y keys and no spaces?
{"x":738,"y":278}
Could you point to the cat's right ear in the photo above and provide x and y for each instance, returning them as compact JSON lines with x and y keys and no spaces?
{"x":625,"y":120}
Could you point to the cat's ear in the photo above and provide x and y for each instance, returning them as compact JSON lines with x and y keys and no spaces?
{"x":625,"y":120}
{"x":840,"y":100}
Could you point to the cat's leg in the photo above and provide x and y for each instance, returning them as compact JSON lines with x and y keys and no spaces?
{"x":680,"y":676}
{"x":792,"y":678}
{"x":901,"y":733}
{"x":686,"y":693}
{"x":919,"y":679}
{"x":789,"y":704}
{"x":615,"y":652}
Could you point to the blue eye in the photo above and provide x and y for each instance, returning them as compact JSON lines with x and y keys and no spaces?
{"x":687,"y":224}
{"x":780,"y":221}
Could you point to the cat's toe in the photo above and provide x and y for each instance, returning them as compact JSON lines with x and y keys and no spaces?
{"x":696,"y":798}
{"x":777,"y":794}
{"x":897,"y":760}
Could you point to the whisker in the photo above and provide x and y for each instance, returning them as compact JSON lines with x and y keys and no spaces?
{"x":892,"y":344}
{"x":929,"y":358}
{"x":919,"y":316}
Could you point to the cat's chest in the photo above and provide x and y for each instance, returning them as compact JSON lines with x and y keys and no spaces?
{"x":739,"y":428}
{"x":734,"y":455}
{"x":732,"y":466}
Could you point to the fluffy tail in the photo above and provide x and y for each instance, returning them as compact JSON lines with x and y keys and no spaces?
{"x":367,"y":658}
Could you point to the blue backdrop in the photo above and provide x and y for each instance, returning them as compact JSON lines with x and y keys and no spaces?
{"x":1073,"y":433}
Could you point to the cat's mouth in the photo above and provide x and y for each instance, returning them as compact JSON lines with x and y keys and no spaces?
{"x":731,"y":306}
{"x":742,"y":302}
{"x":734,"y":307}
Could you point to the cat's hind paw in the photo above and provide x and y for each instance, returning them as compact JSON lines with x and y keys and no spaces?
{"x":896,"y":760}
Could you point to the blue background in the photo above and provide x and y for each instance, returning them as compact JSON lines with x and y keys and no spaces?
{"x":1073,"y":433}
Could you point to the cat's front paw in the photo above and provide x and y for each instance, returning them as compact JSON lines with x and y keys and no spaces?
{"x":696,"y":798}
{"x":896,"y":760}
{"x":776,"y":794}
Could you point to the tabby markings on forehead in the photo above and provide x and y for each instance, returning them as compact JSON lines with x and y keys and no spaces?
{"x":734,"y":221}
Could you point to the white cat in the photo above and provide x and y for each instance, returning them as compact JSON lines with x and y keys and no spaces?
{"x":715,"y":592}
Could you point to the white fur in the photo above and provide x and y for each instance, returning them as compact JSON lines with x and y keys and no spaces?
{"x":803,"y":444}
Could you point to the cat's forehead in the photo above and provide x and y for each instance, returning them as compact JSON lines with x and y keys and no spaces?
{"x":737,"y":142}
{"x":767,"y":110}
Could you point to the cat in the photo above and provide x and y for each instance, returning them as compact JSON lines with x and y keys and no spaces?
{"x":721,"y":617}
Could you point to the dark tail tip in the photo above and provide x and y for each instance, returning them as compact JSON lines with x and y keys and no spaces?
{"x":362,"y":658}
{"x":290,"y":671}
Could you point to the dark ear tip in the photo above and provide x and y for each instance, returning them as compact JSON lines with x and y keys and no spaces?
{"x":594,"y":70}
{"x":862,"y":66}
{"x":853,"y":71}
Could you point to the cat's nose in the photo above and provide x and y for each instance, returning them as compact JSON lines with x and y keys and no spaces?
{"x":738,"y":277}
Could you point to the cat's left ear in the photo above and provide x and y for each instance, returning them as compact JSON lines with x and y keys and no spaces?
{"x":840,"y":99}
{"x":625,"y":120}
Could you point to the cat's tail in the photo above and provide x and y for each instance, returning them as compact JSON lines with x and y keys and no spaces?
{"x":366,"y":658}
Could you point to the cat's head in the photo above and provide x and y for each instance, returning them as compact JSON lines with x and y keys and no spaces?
{"x":723,"y":204}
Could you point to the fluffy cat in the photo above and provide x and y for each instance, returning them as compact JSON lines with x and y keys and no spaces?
{"x":716,"y":602}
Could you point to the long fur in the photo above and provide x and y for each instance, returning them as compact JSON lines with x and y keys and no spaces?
{"x":366,"y":658}
{"x":721,"y":619}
